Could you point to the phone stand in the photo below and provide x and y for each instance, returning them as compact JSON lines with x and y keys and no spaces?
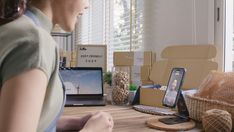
{"x":181,"y":116}
{"x":179,"y":122}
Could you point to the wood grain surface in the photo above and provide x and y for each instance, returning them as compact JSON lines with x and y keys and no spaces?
{"x":125,"y":118}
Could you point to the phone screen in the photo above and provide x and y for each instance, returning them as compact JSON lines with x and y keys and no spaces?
{"x":173,"y":87}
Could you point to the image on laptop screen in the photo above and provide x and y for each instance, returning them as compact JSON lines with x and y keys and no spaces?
{"x":82,"y":81}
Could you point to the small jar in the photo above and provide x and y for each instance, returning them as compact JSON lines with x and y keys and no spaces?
{"x":131,"y":96}
{"x":132,"y":93}
{"x":120,"y":84}
{"x":108,"y":92}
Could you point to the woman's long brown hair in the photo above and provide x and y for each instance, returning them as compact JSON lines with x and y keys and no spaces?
{"x":11,"y":10}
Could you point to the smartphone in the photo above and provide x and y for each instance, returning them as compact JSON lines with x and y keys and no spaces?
{"x":172,"y":92}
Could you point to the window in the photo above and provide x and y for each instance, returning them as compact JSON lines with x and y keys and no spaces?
{"x":229,"y":36}
{"x":90,"y":28}
{"x":116,"y":23}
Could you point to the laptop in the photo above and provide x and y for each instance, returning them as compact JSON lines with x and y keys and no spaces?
{"x":83,"y":86}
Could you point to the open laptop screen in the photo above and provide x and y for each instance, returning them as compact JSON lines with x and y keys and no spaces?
{"x":82,"y":81}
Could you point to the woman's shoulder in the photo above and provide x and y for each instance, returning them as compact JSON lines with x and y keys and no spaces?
{"x":23,"y":41}
{"x":23,"y":29}
{"x":23,"y":34}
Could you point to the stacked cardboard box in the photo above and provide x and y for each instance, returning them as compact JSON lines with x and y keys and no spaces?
{"x":62,"y":58}
{"x":73,"y":59}
{"x":67,"y":58}
{"x":134,"y":58}
{"x":140,"y":64}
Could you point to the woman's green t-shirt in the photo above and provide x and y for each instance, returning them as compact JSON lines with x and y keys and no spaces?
{"x":25,"y":46}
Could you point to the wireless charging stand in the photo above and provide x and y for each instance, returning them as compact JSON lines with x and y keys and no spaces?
{"x":182,"y":115}
{"x":179,"y":122}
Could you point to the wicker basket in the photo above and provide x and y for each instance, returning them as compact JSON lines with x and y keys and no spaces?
{"x":197,"y":106}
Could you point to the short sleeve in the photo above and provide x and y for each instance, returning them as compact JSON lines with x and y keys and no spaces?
{"x":24,"y":57}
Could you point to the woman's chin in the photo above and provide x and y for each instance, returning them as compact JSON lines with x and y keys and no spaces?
{"x":68,"y":28}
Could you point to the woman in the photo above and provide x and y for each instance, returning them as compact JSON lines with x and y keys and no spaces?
{"x":31,"y":97}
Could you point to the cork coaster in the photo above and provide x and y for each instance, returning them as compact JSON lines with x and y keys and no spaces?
{"x":156,"y":124}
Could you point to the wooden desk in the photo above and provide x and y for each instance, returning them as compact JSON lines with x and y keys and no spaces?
{"x":125,"y":118}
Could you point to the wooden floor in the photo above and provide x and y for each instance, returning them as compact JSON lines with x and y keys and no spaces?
{"x":125,"y":118}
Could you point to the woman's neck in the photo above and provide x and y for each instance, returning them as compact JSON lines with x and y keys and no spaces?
{"x":45,"y":7}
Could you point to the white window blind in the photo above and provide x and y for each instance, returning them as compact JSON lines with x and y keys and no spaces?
{"x":116,"y":23}
{"x":90,"y":26}
{"x":127,"y":25}
{"x":137,"y":25}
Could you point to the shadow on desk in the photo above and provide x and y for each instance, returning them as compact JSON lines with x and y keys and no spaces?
{"x":125,"y":118}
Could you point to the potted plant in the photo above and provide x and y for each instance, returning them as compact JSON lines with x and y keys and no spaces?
{"x":132,"y":92}
{"x":108,"y":78}
{"x":107,"y":89}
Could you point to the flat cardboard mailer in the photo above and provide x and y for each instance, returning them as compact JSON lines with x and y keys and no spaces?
{"x":133,"y":58}
{"x":151,"y":97}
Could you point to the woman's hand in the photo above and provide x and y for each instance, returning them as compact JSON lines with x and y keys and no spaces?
{"x":99,"y":122}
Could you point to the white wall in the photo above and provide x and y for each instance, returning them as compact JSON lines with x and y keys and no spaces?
{"x":219,"y":33}
{"x":171,"y":22}
{"x":228,"y":31}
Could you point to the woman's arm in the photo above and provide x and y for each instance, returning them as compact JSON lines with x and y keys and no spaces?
{"x":21,"y":101}
{"x":66,"y":123}
{"x":97,"y":122}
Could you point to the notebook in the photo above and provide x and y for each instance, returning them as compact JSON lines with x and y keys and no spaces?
{"x":83,"y":86}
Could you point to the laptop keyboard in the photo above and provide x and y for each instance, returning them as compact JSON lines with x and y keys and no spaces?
{"x":153,"y":110}
{"x":77,"y":101}
{"x":81,"y":99}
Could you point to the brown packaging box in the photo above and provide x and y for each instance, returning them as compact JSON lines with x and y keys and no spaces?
{"x":66,"y":55}
{"x":68,"y":59}
{"x":73,"y":55}
{"x":147,"y":82}
{"x":73,"y":63}
{"x":151,"y":97}
{"x":123,"y":58}
{"x":142,"y":72}
{"x":145,"y":72}
{"x":127,"y":58}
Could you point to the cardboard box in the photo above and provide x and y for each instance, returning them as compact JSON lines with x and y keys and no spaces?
{"x":133,"y":58}
{"x":145,"y":72}
{"x":123,"y":58}
{"x":147,"y":82}
{"x":139,"y":73}
{"x":65,"y":58}
{"x":68,"y":59}
{"x":73,"y":55}
{"x":73,"y":63}
{"x":151,"y":97}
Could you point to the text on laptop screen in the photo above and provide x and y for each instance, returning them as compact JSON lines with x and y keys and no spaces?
{"x":82,"y":81}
